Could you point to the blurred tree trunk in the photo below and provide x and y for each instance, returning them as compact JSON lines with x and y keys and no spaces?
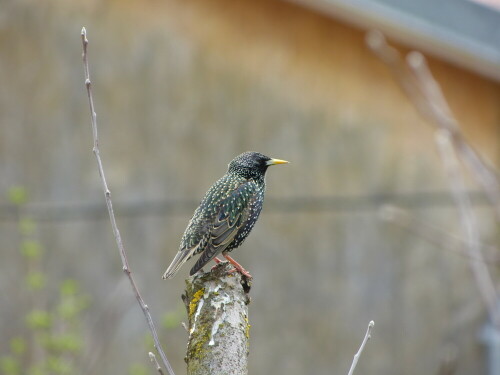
{"x":217,"y":307}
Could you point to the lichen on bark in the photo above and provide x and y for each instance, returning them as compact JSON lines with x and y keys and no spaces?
{"x":217,"y":307}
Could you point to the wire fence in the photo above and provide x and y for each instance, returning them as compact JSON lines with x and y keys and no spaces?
{"x":89,"y":211}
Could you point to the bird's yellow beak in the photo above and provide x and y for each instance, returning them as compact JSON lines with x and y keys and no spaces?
{"x":276,"y":161}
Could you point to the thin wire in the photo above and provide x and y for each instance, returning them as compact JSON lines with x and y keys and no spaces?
{"x":67,"y":212}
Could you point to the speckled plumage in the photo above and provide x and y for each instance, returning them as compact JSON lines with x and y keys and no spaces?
{"x":227,"y":213}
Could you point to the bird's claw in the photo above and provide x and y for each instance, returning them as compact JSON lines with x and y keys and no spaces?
{"x":237,"y":266}
{"x":243,"y":271}
{"x":217,"y":261}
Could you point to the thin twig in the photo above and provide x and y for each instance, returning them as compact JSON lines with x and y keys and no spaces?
{"x":469,"y":223}
{"x":442,"y":115}
{"x":362,"y":347}
{"x":107,"y":195}
{"x":424,"y":92}
{"x":419,"y":85}
{"x":153,"y":359}
{"x":433,"y":234}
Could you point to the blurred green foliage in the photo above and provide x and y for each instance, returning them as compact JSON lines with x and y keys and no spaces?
{"x":139,"y":369}
{"x":38,"y":320}
{"x":31,"y":249}
{"x":173,"y":319}
{"x":36,"y":281}
{"x":17,"y":195}
{"x":17,"y":345}
{"x":52,"y":339}
{"x":10,"y":365}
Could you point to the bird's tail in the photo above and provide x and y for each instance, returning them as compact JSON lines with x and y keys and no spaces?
{"x":209,"y":254}
{"x":178,"y":261}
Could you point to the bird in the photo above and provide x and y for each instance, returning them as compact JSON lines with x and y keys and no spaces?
{"x":226,"y":214}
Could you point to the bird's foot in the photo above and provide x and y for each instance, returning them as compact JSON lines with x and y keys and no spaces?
{"x":217,"y":261}
{"x":237,"y":266}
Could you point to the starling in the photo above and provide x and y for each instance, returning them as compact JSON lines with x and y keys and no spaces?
{"x":226,"y":215}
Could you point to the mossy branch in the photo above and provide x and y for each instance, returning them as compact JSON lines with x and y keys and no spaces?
{"x":217,"y":307}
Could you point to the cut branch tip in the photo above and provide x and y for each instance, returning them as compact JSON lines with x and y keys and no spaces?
{"x":84,"y":38}
{"x":443,"y":136}
{"x":374,"y":39}
{"x":415,"y":59}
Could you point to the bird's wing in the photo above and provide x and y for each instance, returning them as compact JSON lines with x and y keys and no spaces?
{"x":231,"y":217}
{"x":212,"y":233}
{"x":193,"y":241}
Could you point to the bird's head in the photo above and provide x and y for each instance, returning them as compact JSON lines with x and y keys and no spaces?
{"x":252,"y":164}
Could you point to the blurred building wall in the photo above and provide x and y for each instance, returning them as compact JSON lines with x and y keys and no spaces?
{"x":180,"y":89}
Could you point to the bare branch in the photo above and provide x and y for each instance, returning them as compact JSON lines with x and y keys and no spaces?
{"x":107,"y":195}
{"x":362,"y":347}
{"x":469,"y":223}
{"x":424,"y":92}
{"x":419,"y":85}
{"x":433,"y":234}
{"x":153,"y":359}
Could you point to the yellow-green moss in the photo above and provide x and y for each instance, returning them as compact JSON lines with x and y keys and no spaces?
{"x":194,"y":302}
{"x":198,"y":344}
{"x":247,"y":328}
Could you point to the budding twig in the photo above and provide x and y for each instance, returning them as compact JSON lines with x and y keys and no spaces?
{"x":109,"y":204}
{"x":153,"y":359}
{"x":362,"y":347}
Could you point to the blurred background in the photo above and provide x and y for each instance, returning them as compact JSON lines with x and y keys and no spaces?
{"x":181,"y":87}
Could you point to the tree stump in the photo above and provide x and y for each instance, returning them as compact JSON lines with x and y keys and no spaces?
{"x":217,"y":307}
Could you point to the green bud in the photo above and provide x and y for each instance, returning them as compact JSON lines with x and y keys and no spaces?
{"x":31,"y":249}
{"x":36,"y":280}
{"x":69,"y":287}
{"x":17,"y":345}
{"x":171,"y":320}
{"x":59,"y":366}
{"x":138,"y":369}
{"x":18,"y":195}
{"x":37,"y":369}
{"x":38,"y":319}
{"x":9,"y":366}
{"x":70,"y":307}
{"x":63,"y":343}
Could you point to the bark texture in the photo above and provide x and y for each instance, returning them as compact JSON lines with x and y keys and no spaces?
{"x":217,"y":307}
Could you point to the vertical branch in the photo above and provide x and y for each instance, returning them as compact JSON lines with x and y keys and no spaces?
{"x":362,"y":347}
{"x":469,"y":223}
{"x":109,"y":204}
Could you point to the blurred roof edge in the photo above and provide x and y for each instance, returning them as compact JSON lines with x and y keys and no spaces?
{"x":458,"y":31}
